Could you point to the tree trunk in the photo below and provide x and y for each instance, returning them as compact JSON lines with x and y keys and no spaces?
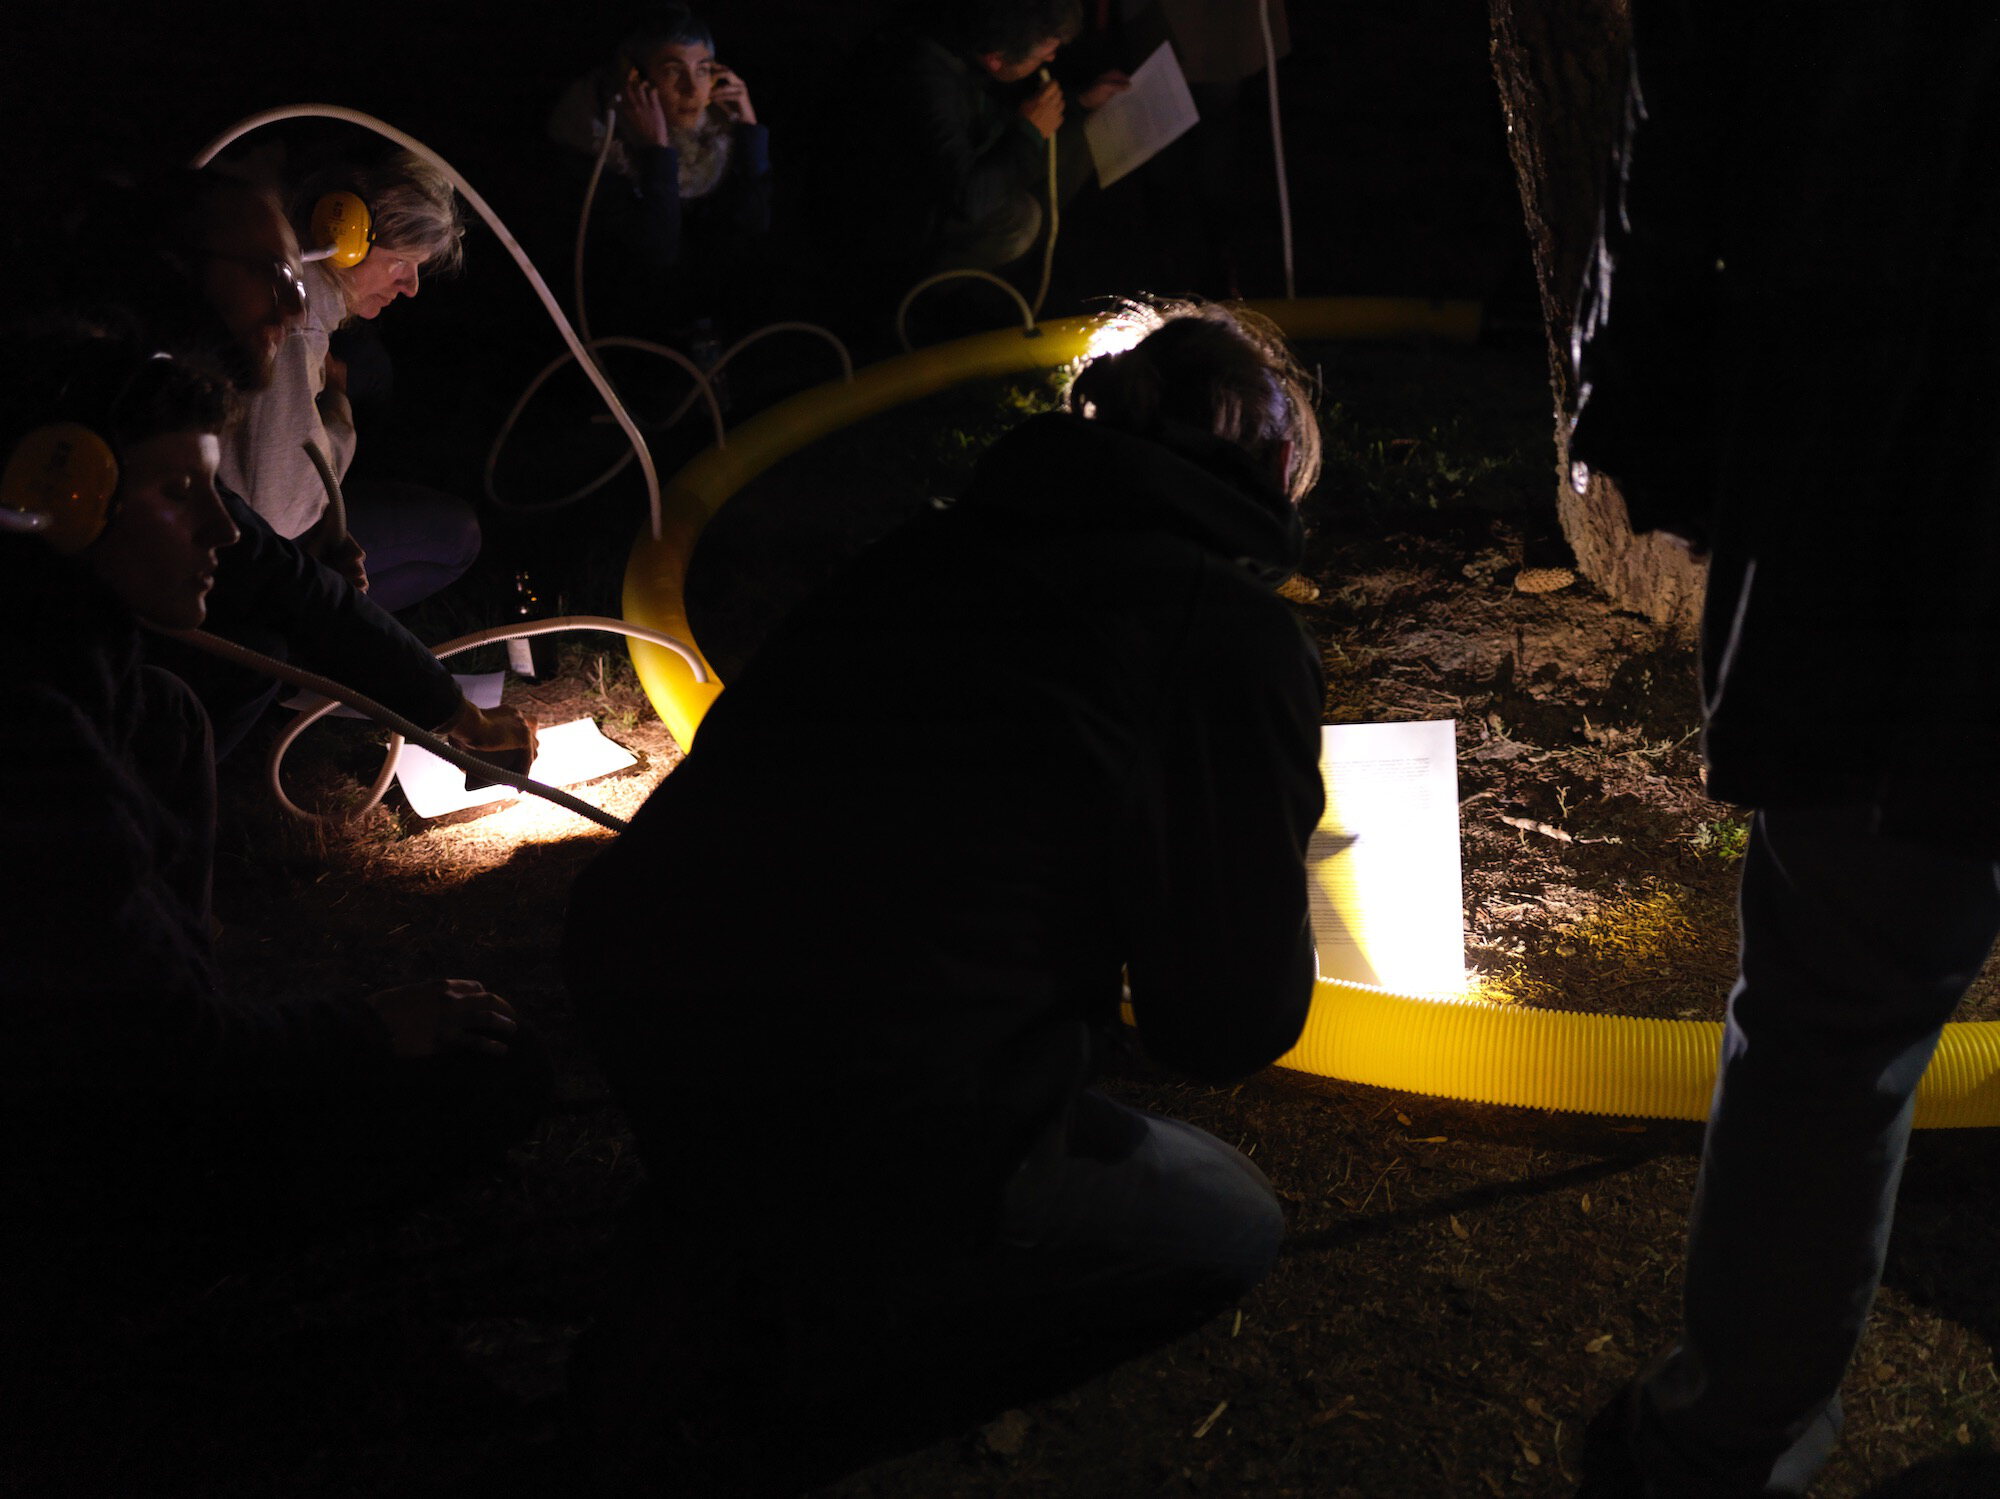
{"x":1560,"y":68}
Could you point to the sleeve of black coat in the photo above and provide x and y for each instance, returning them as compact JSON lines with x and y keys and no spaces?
{"x":1222,"y":961}
{"x":1650,"y":310}
{"x":267,"y":586}
{"x":106,"y":984}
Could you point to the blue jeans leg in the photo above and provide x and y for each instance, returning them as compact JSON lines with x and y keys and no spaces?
{"x":1855,"y":949}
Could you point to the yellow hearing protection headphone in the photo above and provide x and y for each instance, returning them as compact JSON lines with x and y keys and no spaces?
{"x":58,"y":484}
{"x":343,"y":230}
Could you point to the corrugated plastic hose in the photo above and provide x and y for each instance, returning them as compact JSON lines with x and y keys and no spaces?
{"x":1467,"y":1049}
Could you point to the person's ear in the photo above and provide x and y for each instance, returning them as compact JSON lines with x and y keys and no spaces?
{"x":993,"y":62}
{"x":1282,"y":458}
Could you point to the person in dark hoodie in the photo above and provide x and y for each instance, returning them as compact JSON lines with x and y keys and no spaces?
{"x":1789,"y":356}
{"x":132,"y":1090}
{"x":852,"y":966}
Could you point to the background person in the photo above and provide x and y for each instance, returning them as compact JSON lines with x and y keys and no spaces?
{"x":678,"y":223}
{"x":945,"y":166}
{"x":1062,"y":730}
{"x":1790,"y":354}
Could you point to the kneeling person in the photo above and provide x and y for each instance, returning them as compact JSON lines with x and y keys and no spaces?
{"x":851,"y":966}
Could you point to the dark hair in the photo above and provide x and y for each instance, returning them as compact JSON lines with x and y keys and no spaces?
{"x":1013,"y":28}
{"x":107,"y":378}
{"x":664,"y":26}
{"x":1207,"y":371}
{"x":133,"y":254}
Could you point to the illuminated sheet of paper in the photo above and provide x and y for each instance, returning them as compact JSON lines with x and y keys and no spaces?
{"x":482,"y":688}
{"x":566,"y":754}
{"x":1134,"y":125}
{"x":1382,"y":867}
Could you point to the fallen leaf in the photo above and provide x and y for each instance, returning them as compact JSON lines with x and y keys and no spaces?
{"x":1006,"y":1433}
{"x":1585,"y":1203}
{"x":1534,"y":1408}
{"x":1528,"y":1455}
{"x":1404,"y":1120}
{"x":1964,"y":1434}
{"x":1598,"y":1344}
{"x":1460,"y":1229}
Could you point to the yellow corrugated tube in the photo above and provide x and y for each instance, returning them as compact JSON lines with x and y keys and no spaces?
{"x":1463,"y":1048}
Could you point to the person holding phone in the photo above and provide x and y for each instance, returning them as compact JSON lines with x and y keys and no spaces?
{"x":685,"y":200}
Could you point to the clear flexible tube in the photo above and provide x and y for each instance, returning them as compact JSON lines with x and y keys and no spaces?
{"x":1055,"y":222}
{"x":501,"y":232}
{"x":583,"y":221}
{"x":903,"y":307}
{"x":400,"y":727}
{"x":1278,"y":143}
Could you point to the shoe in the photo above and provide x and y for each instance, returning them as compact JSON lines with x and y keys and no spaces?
{"x":1608,"y":1468}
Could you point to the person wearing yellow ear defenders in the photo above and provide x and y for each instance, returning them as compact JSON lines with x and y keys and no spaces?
{"x":200,"y":260}
{"x":129,"y":1084}
{"x":369,"y":234}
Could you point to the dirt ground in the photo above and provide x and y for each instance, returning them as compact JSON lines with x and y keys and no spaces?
{"x":1462,"y":1286}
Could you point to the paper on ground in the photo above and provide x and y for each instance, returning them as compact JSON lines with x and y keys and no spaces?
{"x":566,"y":754}
{"x":1382,"y":867}
{"x":1134,"y":125}
{"x":482,"y":688}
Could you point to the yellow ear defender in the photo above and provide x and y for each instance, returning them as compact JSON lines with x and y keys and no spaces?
{"x":58,"y":484}
{"x":343,"y":231}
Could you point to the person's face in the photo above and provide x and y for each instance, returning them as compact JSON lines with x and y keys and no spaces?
{"x":1034,"y":62}
{"x":252,"y":278}
{"x":157,"y":552}
{"x":683,"y":74}
{"x":384,"y":276}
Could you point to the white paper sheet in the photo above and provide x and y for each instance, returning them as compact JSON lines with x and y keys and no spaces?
{"x":1134,"y":125}
{"x":565,"y":754}
{"x":1383,"y":867}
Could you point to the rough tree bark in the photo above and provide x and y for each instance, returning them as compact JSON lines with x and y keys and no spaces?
{"x":1560,"y":69}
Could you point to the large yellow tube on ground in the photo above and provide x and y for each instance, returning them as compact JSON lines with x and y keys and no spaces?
{"x":1467,"y":1049}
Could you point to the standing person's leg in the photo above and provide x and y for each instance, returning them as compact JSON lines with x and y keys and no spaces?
{"x":418,"y":540}
{"x":1855,"y":949}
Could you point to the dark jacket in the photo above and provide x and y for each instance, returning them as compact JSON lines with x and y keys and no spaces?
{"x":105,"y":832}
{"x":655,"y":261}
{"x":1790,"y":349}
{"x":272,"y":596}
{"x":860,"y":939}
{"x":934,"y":151}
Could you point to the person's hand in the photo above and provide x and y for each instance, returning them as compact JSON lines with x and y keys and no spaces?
{"x":642,"y":119}
{"x":732,"y":97}
{"x":1044,"y":108}
{"x":344,"y":555}
{"x":503,"y":735}
{"x":1107,"y":86}
{"x":441,"y":1015}
{"x":336,"y":374}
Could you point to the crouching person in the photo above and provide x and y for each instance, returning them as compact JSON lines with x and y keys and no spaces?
{"x":133,"y":1092}
{"x":850,"y":968}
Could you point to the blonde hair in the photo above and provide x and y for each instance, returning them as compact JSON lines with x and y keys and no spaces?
{"x":1205,"y":370}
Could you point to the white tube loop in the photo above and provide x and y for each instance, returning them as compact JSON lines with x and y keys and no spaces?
{"x":379,"y":787}
{"x":501,"y":232}
{"x":903,"y":307}
{"x":646,"y":346}
{"x":1278,"y":145}
{"x":401,"y":727}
